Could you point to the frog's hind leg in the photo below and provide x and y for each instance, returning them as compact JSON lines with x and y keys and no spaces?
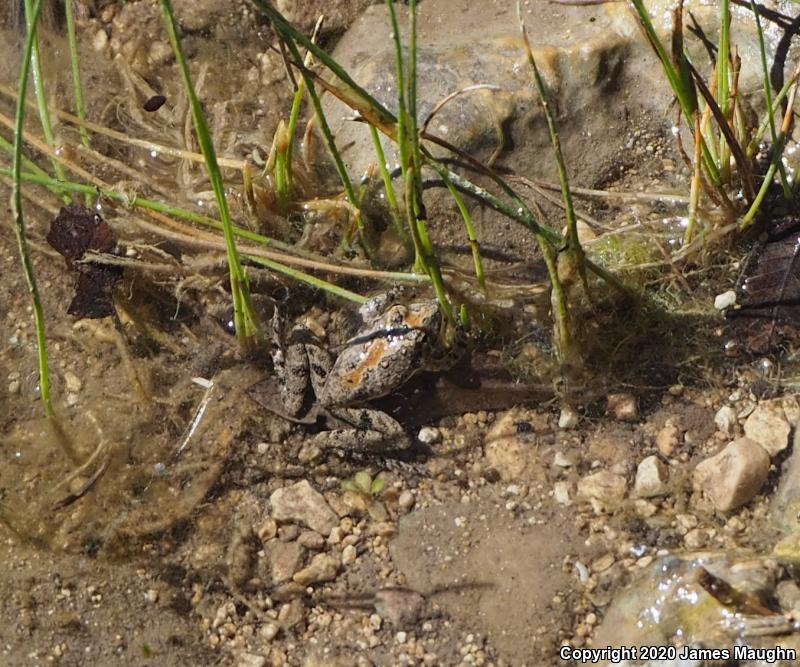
{"x":319,"y":366}
{"x":291,"y":369}
{"x":372,"y":431}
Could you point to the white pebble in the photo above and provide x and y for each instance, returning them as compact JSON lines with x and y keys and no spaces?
{"x":568,"y":418}
{"x":725,"y":419}
{"x":725,"y":300}
{"x":428,"y":435}
{"x":349,"y":555}
{"x":561,"y":493}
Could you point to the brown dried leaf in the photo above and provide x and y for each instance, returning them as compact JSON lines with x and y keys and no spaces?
{"x":73,"y":232}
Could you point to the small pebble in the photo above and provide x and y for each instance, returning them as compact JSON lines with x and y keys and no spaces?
{"x":312,"y":540}
{"x":767,"y":425}
{"x":734,"y":476}
{"x":667,"y":439}
{"x":603,"y":563}
{"x":725,"y":300}
{"x":725,"y":420}
{"x":406,"y":500}
{"x":428,"y":435}
{"x":604,"y":490}
{"x":563,"y":460}
{"x":561,"y":493}
{"x":623,"y":407}
{"x":349,"y":555}
{"x":568,"y":418}
{"x":72,"y":382}
{"x":268,"y":530}
{"x":323,"y":567}
{"x":100,"y":40}
{"x":269,"y":631}
{"x":651,"y":478}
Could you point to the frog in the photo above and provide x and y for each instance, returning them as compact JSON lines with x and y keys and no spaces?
{"x":394,"y":342}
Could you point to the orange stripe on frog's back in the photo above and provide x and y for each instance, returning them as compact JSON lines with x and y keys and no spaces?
{"x":376,"y":352}
{"x":416,"y":320}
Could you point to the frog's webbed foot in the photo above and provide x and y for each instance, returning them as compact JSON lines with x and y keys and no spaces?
{"x":370,"y":431}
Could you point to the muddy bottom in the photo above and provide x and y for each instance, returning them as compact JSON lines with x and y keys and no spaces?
{"x":181,"y":510}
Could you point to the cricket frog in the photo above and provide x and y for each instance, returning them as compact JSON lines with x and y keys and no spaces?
{"x":394,"y":342}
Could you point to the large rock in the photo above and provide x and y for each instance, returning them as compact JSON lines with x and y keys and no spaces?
{"x":605,"y":85}
{"x":785,"y":506}
{"x":302,"y":504}
{"x":670,"y":603}
{"x":338,"y":14}
{"x":734,"y":476}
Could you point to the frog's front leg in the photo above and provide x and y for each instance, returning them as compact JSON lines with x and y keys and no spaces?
{"x":370,"y":431}
{"x":291,"y":369}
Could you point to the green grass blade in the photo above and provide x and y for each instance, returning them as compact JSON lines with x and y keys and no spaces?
{"x":376,"y":114}
{"x":686,"y":99}
{"x":787,"y":191}
{"x":32,"y":15}
{"x":402,"y":136}
{"x":49,"y":182}
{"x":563,"y":177}
{"x":694,"y":188}
{"x":388,"y":187}
{"x":247,"y":324}
{"x":474,"y":244}
{"x":429,"y":260}
{"x":294,"y":117}
{"x":732,"y":145}
{"x":313,"y":281}
{"x":753,"y":146}
{"x":724,"y":84}
{"x":330,"y":141}
{"x":39,"y":89}
{"x":777,"y":155}
{"x":77,"y":87}
{"x":286,"y":28}
{"x":8,"y":147}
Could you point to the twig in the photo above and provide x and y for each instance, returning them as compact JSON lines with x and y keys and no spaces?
{"x":452,"y":96}
{"x":85,"y":488}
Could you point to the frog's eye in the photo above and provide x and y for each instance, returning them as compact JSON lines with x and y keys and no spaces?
{"x":396,"y":315}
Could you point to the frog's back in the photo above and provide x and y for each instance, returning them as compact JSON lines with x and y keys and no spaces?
{"x":374,"y":368}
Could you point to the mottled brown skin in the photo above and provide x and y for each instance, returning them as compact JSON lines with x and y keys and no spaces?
{"x":394,"y":342}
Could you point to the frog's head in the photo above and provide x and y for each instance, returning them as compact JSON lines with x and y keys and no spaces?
{"x":424,"y":317}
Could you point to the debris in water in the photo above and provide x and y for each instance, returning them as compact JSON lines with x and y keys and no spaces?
{"x":769,"y":293}
{"x":154,"y":103}
{"x":73,"y":232}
